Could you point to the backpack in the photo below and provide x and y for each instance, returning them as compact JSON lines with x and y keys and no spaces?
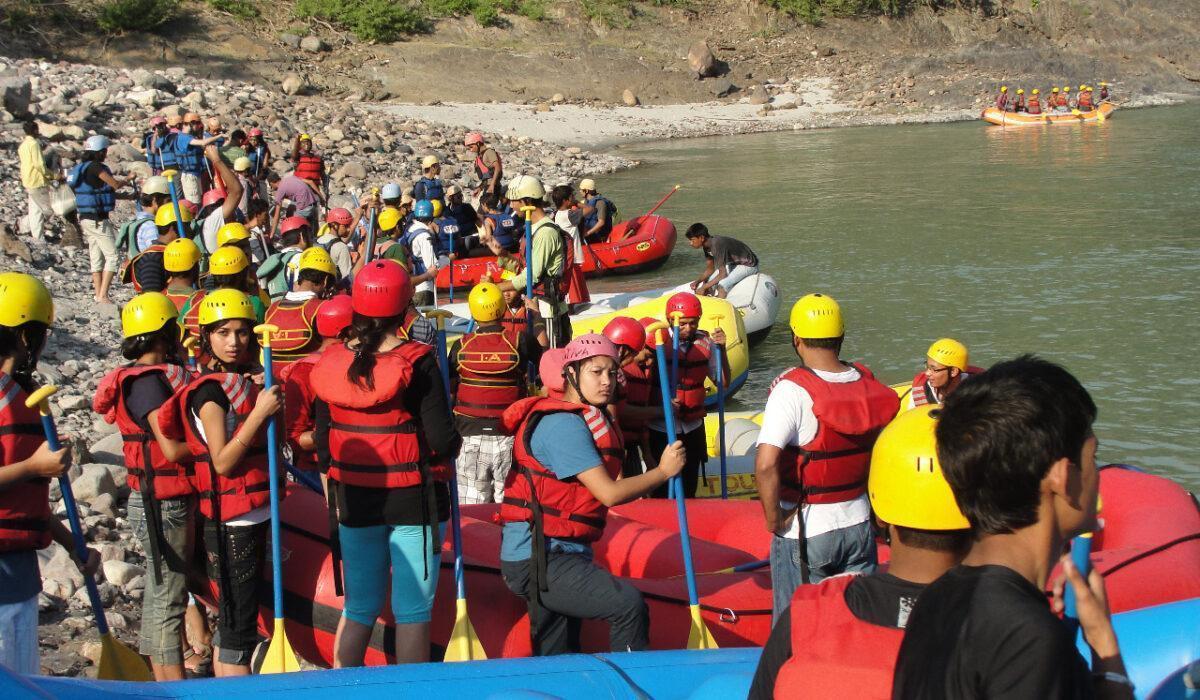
{"x":274,"y":275}
{"x":127,"y":234}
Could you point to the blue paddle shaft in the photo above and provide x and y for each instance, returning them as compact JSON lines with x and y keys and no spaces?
{"x":528,"y":272}
{"x":721,"y":416}
{"x":175,"y":206}
{"x":273,"y":465}
{"x":370,"y":253}
{"x":685,"y":540}
{"x":1081,"y":550}
{"x":455,"y":514}
{"x":451,"y":237}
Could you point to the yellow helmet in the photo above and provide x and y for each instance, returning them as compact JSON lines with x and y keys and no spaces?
{"x":1083,"y":87}
{"x":816,"y":316}
{"x":165,"y":216}
{"x":317,"y":259}
{"x":232,"y":233}
{"x":23,"y":298}
{"x":486,"y":302}
{"x":949,"y":352}
{"x":906,"y":484}
{"x":147,"y":313}
{"x":1054,"y":90}
{"x":1003,"y":88}
{"x":437,"y":208}
{"x":1066,"y":88}
{"x":1036,"y":91}
{"x":181,"y":255}
{"x":224,"y":304}
{"x":227,"y":260}
{"x":389,"y":219}
{"x":1020,"y":91}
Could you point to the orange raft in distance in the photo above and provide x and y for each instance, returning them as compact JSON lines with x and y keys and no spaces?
{"x":1001,"y":118}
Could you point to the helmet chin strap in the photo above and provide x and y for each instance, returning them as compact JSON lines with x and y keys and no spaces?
{"x":574,"y":380}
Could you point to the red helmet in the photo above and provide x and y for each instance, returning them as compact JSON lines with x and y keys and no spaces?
{"x":684,"y":303}
{"x":339,"y":215}
{"x":550,"y":371}
{"x":255,"y":132}
{"x":473,"y":138}
{"x":382,"y":289}
{"x":651,"y":338}
{"x":213,"y":196}
{"x":623,"y":330}
{"x":334,"y":316}
{"x":292,"y":223}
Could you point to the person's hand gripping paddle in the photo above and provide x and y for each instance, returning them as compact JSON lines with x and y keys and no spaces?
{"x":117,"y":661}
{"x":716,"y":318}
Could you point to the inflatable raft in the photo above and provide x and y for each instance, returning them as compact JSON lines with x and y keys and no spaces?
{"x":1002,"y":118}
{"x":646,"y":248}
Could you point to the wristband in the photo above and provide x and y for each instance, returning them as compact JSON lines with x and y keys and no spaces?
{"x":239,"y":441}
{"x":1113,"y":677}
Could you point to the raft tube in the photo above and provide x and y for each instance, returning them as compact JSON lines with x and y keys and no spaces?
{"x":1002,"y":118}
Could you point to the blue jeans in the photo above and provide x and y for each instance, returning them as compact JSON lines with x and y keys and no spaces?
{"x":829,"y":554}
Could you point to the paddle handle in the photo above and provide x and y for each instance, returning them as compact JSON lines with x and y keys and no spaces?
{"x":1081,"y":550}
{"x":663,"y":200}
{"x":529,"y":268}
{"x":175,"y":206}
{"x":685,"y":540}
{"x":273,"y":471}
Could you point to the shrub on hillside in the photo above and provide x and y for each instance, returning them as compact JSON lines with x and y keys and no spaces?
{"x":243,"y":9}
{"x":370,"y":20}
{"x":117,"y":16}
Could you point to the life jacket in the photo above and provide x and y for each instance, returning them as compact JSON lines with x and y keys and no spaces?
{"x":297,"y":335}
{"x":1084,"y":101}
{"x":191,"y":320}
{"x":127,"y":233}
{"x":832,"y":468}
{"x":299,"y":399}
{"x":151,"y":156}
{"x":920,"y":394}
{"x":140,"y":279}
{"x":515,"y":320}
{"x":222,"y":498}
{"x":1002,"y":101}
{"x":835,"y":654}
{"x":693,"y":371}
{"x":448,"y":236}
{"x":165,"y":152}
{"x":190,"y":159}
{"x":91,"y":200}
{"x":414,"y":232}
{"x":533,"y":494}
{"x":481,"y":169}
{"x":1033,"y":106}
{"x":310,"y":166}
{"x":592,"y":219}
{"x":491,"y":377}
{"x":430,"y":188}
{"x":373,"y":440}
{"x":276,"y":275}
{"x":638,"y":391}
{"x":505,"y":230}
{"x":143,"y":457}
{"x":25,"y":505}
{"x":179,"y":297}
{"x":253,"y":154}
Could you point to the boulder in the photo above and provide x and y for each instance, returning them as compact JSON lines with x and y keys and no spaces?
{"x":120,"y":573}
{"x":120,"y":151}
{"x":50,"y":132}
{"x":145,"y":79}
{"x":56,"y":565}
{"x":557,"y":98}
{"x":291,"y":40}
{"x":629,"y":98}
{"x":95,"y":480}
{"x":701,"y":60}
{"x":351,"y":171}
{"x":143,"y":98}
{"x":720,"y":87}
{"x":15,"y":94}
{"x":759,"y":96}
{"x":292,"y":84}
{"x":94,"y":97}
{"x":105,"y":504}
{"x":335,"y":134}
{"x":313,"y":44}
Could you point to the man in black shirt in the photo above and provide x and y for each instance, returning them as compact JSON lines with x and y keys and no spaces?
{"x":841,"y":636}
{"x":1017,"y":447}
{"x":727,"y":261}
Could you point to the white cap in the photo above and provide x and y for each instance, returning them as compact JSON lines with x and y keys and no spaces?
{"x":587,"y":184}
{"x":428,"y":162}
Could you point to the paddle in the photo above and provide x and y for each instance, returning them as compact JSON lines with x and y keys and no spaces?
{"x":698,"y":636}
{"x":464,"y":644}
{"x":1081,"y":550}
{"x":661,"y":201}
{"x":371,"y":226}
{"x":117,"y":661}
{"x":529,"y":274}
{"x":280,"y":658}
{"x":451,"y":237}
{"x":674,"y":377}
{"x":189,"y":343}
{"x":739,"y":569}
{"x":720,"y":405}
{"x":170,"y":175}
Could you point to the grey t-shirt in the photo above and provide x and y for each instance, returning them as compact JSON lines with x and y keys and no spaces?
{"x":727,"y":252}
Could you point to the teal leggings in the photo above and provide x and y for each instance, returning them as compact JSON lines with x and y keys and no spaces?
{"x":370,"y":555}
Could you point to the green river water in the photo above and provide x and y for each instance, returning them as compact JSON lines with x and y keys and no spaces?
{"x":1079,"y":243}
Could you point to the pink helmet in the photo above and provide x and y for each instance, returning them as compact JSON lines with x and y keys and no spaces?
{"x":155,"y":121}
{"x":550,"y":370}
{"x":255,"y":132}
{"x":213,"y":196}
{"x":292,"y":223}
{"x":334,"y":316}
{"x":473,"y":138}
{"x":339,"y":215}
{"x":587,"y":346}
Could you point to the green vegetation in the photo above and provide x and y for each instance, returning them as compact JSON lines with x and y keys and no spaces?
{"x":243,"y":9}
{"x":814,"y":11}
{"x":616,"y":14}
{"x":370,"y":20}
{"x":119,"y":16}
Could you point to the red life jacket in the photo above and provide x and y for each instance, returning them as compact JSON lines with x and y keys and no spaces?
{"x":1002,"y":101}
{"x":832,"y":468}
{"x":247,"y":487}
{"x":693,"y":371}
{"x":1084,"y":101}
{"x":191,"y":320}
{"x":514,"y":319}
{"x":533,"y":494}
{"x":298,"y":407}
{"x":491,"y":375}
{"x":481,"y":168}
{"x":920,"y":386}
{"x":179,"y":297}
{"x":24,"y":506}
{"x":143,"y":457}
{"x":129,"y":272}
{"x":1033,"y":106}
{"x":297,"y":336}
{"x":373,"y":440}
{"x":310,"y":166}
{"x":638,"y":391}
{"x":833,"y":651}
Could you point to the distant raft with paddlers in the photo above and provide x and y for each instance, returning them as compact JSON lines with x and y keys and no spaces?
{"x":1003,"y":118}
{"x":647,"y":246}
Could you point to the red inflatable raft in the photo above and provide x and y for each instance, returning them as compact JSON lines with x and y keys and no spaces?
{"x":647,"y":247}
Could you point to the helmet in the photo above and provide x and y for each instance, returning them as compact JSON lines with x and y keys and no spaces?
{"x":99,"y":142}
{"x":526,"y":187}
{"x":155,"y":121}
{"x":423,"y":209}
{"x":225,"y":304}
{"x":23,"y":298}
{"x":213,"y":196}
{"x":181,"y":255}
{"x":1004,"y":88}
{"x":334,"y":316}
{"x":292,"y":223}
{"x":156,"y":185}
{"x":586,"y":346}
{"x":437,"y":208}
{"x":1036,"y":91}
{"x":1054,"y":90}
{"x":165,"y":216}
{"x":684,"y":303}
{"x":390,"y":191}
{"x":1020,"y":91}
{"x":147,"y":313}
{"x":587,"y":184}
{"x":550,"y":370}
{"x":305,"y":137}
{"x":1066,"y":88}
{"x":242,"y":164}
{"x":625,"y":331}
{"x":906,"y":484}
{"x":949,"y":352}
{"x":232,"y":232}
{"x":382,"y":289}
{"x":389,"y":219}
{"x":227,"y":260}
{"x":486,"y":302}
{"x":473,"y":138}
{"x":191,"y":117}
{"x":317,"y":259}
{"x":817,"y":316}
{"x":428,"y":162}
{"x":339,"y":215}
{"x":1083,"y":87}
{"x":255,"y":132}
{"x":190,"y":206}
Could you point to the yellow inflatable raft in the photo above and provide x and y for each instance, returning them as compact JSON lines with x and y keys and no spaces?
{"x":1001,"y":118}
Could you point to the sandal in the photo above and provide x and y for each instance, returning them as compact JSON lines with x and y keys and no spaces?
{"x":198,"y":664}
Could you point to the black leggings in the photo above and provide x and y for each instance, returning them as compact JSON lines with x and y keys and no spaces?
{"x":695,"y":447}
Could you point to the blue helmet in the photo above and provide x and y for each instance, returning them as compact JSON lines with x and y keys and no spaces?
{"x":423,"y":209}
{"x":390,"y":191}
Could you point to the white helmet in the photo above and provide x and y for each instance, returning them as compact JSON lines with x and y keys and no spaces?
{"x":99,"y":142}
{"x":526,"y":187}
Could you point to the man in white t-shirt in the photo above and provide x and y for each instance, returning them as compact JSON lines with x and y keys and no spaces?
{"x":814,"y":450}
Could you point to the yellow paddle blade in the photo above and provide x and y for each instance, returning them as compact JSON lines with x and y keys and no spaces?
{"x":699,"y":637}
{"x":1100,"y":116}
{"x":120,"y":663}
{"x":464,"y":644}
{"x":279,"y":657}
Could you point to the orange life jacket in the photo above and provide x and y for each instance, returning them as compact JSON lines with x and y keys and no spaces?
{"x":179,"y":298}
{"x":638,"y":391}
{"x":693,"y":371}
{"x":310,"y":166}
{"x":491,"y":375}
{"x":191,"y":320}
{"x":514,"y":319}
{"x":1084,"y":101}
{"x":1033,"y":106}
{"x":24,"y":506}
{"x":297,"y":336}
{"x":921,"y":394}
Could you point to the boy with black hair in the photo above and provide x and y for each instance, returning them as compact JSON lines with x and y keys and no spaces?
{"x":727,"y":261}
{"x":1017,"y":447}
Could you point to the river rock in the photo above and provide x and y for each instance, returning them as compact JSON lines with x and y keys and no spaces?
{"x":701,"y":60}
{"x":143,"y":98}
{"x":92,"y":651}
{"x":109,"y":450}
{"x":334,"y":134}
{"x":292,"y":84}
{"x":56,"y":564}
{"x":146,"y":79}
{"x":291,"y":40}
{"x":313,"y":44}
{"x":15,"y":94}
{"x":50,"y":132}
{"x":95,"y":480}
{"x":73,"y":402}
{"x":557,"y":98}
{"x":720,"y":87}
{"x":352,"y":171}
{"x":629,"y":98}
{"x":105,"y":504}
{"x":94,"y":97}
{"x":759,"y":96}
{"x":120,"y":573}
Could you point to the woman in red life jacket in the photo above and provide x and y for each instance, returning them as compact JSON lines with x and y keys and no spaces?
{"x":566,"y":463}
{"x":635,"y":396}
{"x":223,"y":416}
{"x":162,"y":501}
{"x":26,"y":466}
{"x":383,"y":418}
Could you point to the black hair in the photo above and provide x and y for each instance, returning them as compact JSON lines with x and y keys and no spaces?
{"x":31,"y":336}
{"x":291,"y":237}
{"x":697,"y":230}
{"x":251,"y":351}
{"x":834,"y":344}
{"x":238,"y":281}
{"x":237,"y":136}
{"x":272,"y":176}
{"x":135,"y":346}
{"x":952,"y":541}
{"x":255,"y":207}
{"x":315,"y":277}
{"x":369,"y":332}
{"x":94,"y":156}
{"x":491,"y":200}
{"x":999,"y":434}
{"x":560,"y":194}
{"x":30,"y":127}
{"x":391,"y":201}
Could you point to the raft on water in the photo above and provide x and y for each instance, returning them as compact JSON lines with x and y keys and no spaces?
{"x":1002,"y":118}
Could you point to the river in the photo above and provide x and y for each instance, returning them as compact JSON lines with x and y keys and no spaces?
{"x":1079,"y":243}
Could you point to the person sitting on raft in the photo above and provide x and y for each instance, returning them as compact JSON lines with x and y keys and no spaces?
{"x":850,"y":627}
{"x":599,"y":213}
{"x":1020,"y":106}
{"x":567,"y":458}
{"x":1017,"y":448}
{"x":1002,"y":99}
{"x":1033,"y":106}
{"x":1084,"y":102}
{"x":946,"y":366}
{"x":727,"y":262}
{"x":1103,"y":92}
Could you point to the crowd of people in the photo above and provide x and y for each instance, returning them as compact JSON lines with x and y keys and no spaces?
{"x":1060,"y":101}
